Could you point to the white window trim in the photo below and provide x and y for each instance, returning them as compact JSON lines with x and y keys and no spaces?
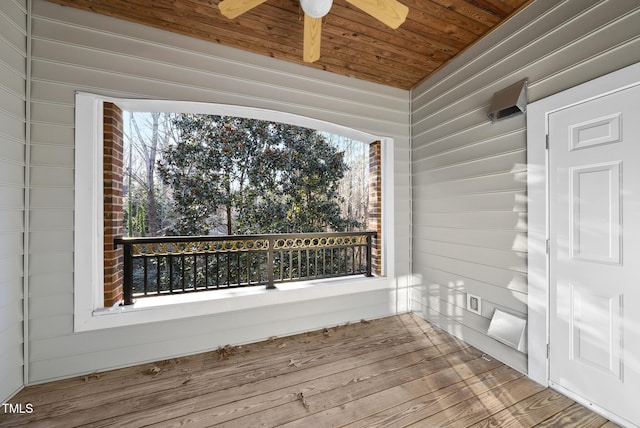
{"x":538,"y":205}
{"x":89,"y":313}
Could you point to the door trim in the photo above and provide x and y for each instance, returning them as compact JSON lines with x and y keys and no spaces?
{"x":538,"y":205}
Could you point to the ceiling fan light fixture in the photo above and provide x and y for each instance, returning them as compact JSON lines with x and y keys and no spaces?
{"x":316,"y":8}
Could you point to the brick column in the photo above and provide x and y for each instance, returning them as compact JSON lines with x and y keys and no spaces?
{"x":374,"y":217}
{"x":113,"y":215}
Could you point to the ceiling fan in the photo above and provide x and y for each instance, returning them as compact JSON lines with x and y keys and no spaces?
{"x":389,"y":12}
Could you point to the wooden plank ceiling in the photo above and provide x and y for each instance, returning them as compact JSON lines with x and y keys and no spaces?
{"x":353,"y":43}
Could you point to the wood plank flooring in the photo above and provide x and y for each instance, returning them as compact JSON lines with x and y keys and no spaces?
{"x":392,"y":372}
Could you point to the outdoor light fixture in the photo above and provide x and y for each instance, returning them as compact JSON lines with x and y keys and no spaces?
{"x":316,"y":8}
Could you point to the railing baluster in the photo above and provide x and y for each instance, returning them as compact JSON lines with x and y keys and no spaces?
{"x":314,"y":264}
{"x":217,"y":270}
{"x":324,"y":262}
{"x":170,"y":259}
{"x":270,"y":263}
{"x":195,"y":272}
{"x":259,"y":267}
{"x":353,"y":259}
{"x":369,"y":257}
{"x":238,"y":270}
{"x":331,"y":261}
{"x":184,"y":272}
{"x":345,"y":260}
{"x":248,"y":258}
{"x":158,"y":273}
{"x":206,"y":271}
{"x":144,"y":267}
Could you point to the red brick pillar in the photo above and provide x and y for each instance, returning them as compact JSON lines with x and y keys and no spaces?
{"x":374,"y":218}
{"x":113,"y":215}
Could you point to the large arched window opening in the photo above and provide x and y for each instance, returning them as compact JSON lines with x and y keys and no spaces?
{"x":99,"y":131}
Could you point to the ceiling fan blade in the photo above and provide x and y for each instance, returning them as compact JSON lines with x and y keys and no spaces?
{"x":312,"y":37}
{"x":389,"y":12}
{"x":233,"y":8}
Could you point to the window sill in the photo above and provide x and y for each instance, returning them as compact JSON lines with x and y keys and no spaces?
{"x":166,"y":308}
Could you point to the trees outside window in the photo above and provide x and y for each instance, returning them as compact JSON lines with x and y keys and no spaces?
{"x":196,"y":174}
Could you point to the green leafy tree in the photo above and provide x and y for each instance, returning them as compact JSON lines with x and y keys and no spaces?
{"x":252,"y":176}
{"x":295,"y":187}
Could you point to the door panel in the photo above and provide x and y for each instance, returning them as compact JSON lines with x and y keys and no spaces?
{"x":601,"y":130}
{"x":595,"y":212}
{"x":595,"y":325}
{"x":594,"y":164}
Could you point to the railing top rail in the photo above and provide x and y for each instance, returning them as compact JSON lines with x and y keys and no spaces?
{"x":206,"y":238}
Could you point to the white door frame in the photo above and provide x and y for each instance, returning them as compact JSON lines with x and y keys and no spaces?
{"x":538,"y":204}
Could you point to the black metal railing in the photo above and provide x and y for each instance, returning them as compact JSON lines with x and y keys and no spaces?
{"x":180,"y":264}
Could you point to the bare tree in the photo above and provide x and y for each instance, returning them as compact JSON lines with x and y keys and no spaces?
{"x":148,"y":134}
{"x":354,"y":191}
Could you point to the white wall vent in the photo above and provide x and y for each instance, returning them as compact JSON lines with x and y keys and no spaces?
{"x":508,"y":329}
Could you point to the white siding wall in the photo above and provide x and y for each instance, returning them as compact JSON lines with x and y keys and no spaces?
{"x":13,"y":72}
{"x":79,"y":51}
{"x":469,"y":176}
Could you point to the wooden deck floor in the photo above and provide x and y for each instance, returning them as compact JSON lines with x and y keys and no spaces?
{"x":393,"y":372}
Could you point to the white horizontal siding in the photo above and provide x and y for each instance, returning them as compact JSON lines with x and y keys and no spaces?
{"x":498,"y":276}
{"x":504,"y":259}
{"x":11,"y":173}
{"x":510,"y":200}
{"x":501,"y":162}
{"x":258,"y":319}
{"x":10,"y":313}
{"x":13,"y":52}
{"x":80,"y":51}
{"x":482,"y":238}
{"x":12,"y":126}
{"x":469,"y":176}
{"x":85,"y":353}
{"x":52,"y":134}
{"x":505,"y":220}
{"x":50,"y":327}
{"x":12,"y":150}
{"x":11,"y":221}
{"x":51,"y":176}
{"x":8,"y":104}
{"x":493,"y":295}
{"x":489,"y":184}
{"x":504,"y":143}
{"x":51,"y":155}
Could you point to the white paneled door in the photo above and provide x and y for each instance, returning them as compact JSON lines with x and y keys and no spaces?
{"x":594,"y":164}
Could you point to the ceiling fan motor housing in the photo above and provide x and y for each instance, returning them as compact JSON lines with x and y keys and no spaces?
{"x":316,"y":8}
